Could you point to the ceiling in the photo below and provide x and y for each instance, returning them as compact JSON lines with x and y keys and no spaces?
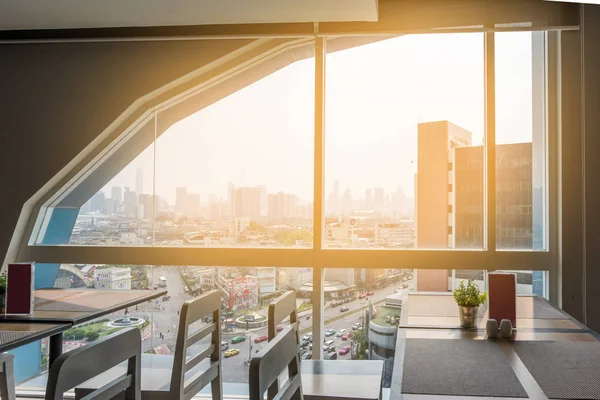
{"x":66,"y":14}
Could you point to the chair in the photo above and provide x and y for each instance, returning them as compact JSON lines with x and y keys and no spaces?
{"x":283,"y":307}
{"x":270,"y":362}
{"x":180,"y":388}
{"x":7,"y":377}
{"x":79,"y":365}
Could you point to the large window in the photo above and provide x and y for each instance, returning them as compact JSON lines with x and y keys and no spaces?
{"x":399,"y":196}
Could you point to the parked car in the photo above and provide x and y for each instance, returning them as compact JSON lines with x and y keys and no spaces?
{"x":362,"y":295}
{"x":327,"y":345}
{"x":231,"y":352}
{"x":344,"y":309}
{"x":260,"y":339}
{"x":224,"y":346}
{"x":345,"y":350}
{"x":279,"y":328}
{"x":370,"y":293}
{"x":306,"y":356}
{"x":166,"y":298}
{"x":304,"y":344}
{"x":329,"y":332}
{"x":238,"y":339}
{"x":330,"y":356}
{"x":345,"y":337}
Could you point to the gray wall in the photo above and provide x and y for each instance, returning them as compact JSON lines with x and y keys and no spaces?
{"x":56,"y":98}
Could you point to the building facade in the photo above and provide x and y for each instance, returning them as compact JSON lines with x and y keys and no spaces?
{"x":113,"y":278}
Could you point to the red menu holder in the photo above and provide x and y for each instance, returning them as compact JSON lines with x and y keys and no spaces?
{"x":503,"y":296}
{"x":19,"y":288}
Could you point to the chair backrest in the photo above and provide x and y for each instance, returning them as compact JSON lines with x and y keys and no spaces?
{"x":270,"y":362}
{"x":283,"y":307}
{"x":192,"y":311}
{"x":79,"y":365}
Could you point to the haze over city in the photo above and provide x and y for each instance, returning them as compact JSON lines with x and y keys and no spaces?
{"x":376,"y":96}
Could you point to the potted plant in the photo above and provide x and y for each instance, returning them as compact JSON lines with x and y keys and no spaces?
{"x":468,"y":297}
{"x":3,"y":293}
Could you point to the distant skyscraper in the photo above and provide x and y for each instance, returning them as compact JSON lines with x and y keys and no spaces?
{"x":192,"y":205}
{"x":379,"y":200}
{"x":368,"y":199}
{"x":247,"y":201}
{"x":263,"y":200}
{"x":129,"y":197}
{"x":116,"y":194}
{"x":346,"y":202}
{"x":139,"y":181}
{"x":180,"y":199}
{"x":97,"y":202}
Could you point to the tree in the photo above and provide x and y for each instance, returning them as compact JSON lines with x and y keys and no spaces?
{"x":90,"y":336}
{"x":255,"y":226}
{"x":361,"y":338}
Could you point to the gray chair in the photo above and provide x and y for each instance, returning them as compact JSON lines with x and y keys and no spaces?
{"x":282,"y":308}
{"x":7,"y":377}
{"x":82,"y":364}
{"x":205,"y":366}
{"x":267,"y":366}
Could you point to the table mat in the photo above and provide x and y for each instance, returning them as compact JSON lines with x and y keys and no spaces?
{"x":458,"y":368}
{"x":563,"y":370}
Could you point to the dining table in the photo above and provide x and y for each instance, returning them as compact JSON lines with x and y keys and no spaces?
{"x":549,"y":354}
{"x":66,"y":308}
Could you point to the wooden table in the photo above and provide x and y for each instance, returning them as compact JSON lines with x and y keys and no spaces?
{"x":76,"y":306}
{"x":17,"y":334}
{"x":435,"y":316}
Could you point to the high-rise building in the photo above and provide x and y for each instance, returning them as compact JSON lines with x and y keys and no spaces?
{"x":368,"y":199}
{"x":263,"y":200}
{"x":290,"y":205}
{"x":247,"y":202}
{"x":97,"y":202}
{"x":192,"y":205}
{"x":129,"y":198}
{"x":379,"y":200}
{"x":139,"y":181}
{"x":449,"y":201}
{"x":180,"y":199}
{"x":116,"y":193}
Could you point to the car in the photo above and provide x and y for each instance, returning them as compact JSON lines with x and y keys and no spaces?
{"x":370,"y":293}
{"x":329,"y":349}
{"x":356,"y":326}
{"x":166,"y":298}
{"x":279,"y":328}
{"x":404,"y":285}
{"x":231,"y":352}
{"x":329,"y":332}
{"x":344,"y":309}
{"x":260,"y":339}
{"x":340,"y":333}
{"x":224,"y":346}
{"x":304,"y":344}
{"x":307,"y":337}
{"x":327,"y":345}
{"x":330,"y":356}
{"x":362,"y":295}
{"x":345,"y":337}
{"x":306,"y":356}
{"x":238,"y":339}
{"x":345,"y":350}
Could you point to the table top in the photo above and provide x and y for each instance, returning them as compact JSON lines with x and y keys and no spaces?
{"x":428,"y":316}
{"x":341,"y":379}
{"x":17,"y":334}
{"x":75,"y":306}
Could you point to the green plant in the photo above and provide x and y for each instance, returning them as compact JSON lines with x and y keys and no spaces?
{"x":3,"y":283}
{"x":92,"y":335}
{"x":469,"y":295}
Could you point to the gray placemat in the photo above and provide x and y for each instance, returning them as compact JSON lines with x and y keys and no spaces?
{"x":533,"y":307}
{"x":458,"y":368}
{"x":564,"y":370}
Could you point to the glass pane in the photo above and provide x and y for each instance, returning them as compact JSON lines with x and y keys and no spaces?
{"x":404,"y":132}
{"x":521,"y":141}
{"x":239,"y":173}
{"x":111,"y":203}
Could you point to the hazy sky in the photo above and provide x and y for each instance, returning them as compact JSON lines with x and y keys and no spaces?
{"x":376,"y":96}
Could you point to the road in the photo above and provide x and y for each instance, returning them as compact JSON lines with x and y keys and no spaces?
{"x":165,"y":317}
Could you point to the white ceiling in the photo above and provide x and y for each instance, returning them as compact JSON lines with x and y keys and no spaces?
{"x":64,"y":14}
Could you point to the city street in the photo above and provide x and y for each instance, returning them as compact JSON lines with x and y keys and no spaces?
{"x":165,"y":317}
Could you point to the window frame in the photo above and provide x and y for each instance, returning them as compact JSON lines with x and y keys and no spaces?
{"x":489,"y":258}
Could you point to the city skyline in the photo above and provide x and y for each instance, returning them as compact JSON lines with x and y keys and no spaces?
{"x":371,"y":119}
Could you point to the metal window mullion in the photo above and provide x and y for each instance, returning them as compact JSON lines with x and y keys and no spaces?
{"x":319,"y":176}
{"x":490,"y":140}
